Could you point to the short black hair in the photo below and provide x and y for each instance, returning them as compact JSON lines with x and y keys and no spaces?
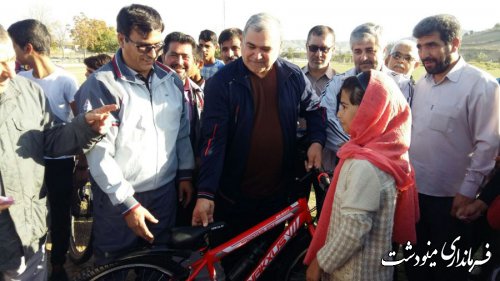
{"x":208,"y":35}
{"x":320,"y":30}
{"x":142,"y":18}
{"x":447,"y":26}
{"x":356,"y":87}
{"x":198,"y":55}
{"x":96,"y":61}
{"x":180,"y":38}
{"x":32,"y":32}
{"x":230,"y":33}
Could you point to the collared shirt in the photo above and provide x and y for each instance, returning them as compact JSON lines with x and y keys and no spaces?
{"x":147,"y":80}
{"x":328,"y":157}
{"x":455,"y":132}
{"x":319,"y":84}
{"x":193,"y":96}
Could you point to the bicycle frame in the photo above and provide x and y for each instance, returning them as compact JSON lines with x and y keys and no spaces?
{"x":297,"y":214}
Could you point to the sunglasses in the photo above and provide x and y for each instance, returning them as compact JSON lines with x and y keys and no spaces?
{"x":315,"y":48}
{"x":146,"y":48}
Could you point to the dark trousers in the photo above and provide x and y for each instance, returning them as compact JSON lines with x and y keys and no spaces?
{"x":112,"y":236}
{"x":59,"y":182}
{"x":437,"y":226}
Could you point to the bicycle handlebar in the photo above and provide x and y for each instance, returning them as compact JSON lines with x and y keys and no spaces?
{"x":321,"y":176}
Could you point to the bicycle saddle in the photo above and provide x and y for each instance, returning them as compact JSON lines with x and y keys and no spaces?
{"x":192,"y":237}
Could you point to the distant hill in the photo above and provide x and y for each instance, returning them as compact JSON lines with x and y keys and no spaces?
{"x":300,"y":45}
{"x":476,"y":45}
{"x":482,"y":45}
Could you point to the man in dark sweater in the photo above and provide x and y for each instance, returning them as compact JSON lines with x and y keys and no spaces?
{"x":248,"y":131}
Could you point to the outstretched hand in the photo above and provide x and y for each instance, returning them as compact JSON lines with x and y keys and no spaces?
{"x":136,"y":220}
{"x":99,"y":119}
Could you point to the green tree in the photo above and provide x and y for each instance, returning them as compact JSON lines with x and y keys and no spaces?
{"x":93,"y":35}
{"x":289,"y":53}
{"x":482,"y":57}
{"x":106,"y":42}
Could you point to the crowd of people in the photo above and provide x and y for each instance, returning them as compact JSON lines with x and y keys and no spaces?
{"x":169,"y":135}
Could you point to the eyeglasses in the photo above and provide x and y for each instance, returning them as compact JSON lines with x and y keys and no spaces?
{"x":399,"y":56}
{"x":315,"y":48}
{"x":146,"y":48}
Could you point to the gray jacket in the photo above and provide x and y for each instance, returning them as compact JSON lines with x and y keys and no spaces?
{"x":27,"y":135}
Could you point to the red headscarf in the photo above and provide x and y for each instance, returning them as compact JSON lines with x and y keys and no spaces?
{"x":380,"y":133}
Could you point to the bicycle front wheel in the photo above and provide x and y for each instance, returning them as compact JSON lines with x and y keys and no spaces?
{"x":292,"y":258}
{"x":126,"y":272}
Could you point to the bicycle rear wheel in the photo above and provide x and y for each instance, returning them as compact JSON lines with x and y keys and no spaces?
{"x":126,"y":272}
{"x":80,"y":242}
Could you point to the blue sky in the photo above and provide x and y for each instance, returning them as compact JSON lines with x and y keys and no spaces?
{"x":397,"y":17}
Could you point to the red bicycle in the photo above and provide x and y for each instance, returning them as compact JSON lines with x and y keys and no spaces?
{"x":189,"y":256}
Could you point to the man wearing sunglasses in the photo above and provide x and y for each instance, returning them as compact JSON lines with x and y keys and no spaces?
{"x":147,"y":151}
{"x":319,"y":49}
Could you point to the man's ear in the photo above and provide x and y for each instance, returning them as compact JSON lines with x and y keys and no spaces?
{"x":455,"y":44}
{"x":121,"y":39}
{"x":28,"y":49}
{"x":162,"y":56}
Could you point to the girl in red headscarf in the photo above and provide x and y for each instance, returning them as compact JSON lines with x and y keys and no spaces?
{"x":373,"y":185}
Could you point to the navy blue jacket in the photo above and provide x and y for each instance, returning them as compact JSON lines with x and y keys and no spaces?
{"x":227,"y":124}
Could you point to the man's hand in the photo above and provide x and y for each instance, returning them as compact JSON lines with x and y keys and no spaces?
{"x":5,"y":202}
{"x":314,"y":156}
{"x":472,"y":211}
{"x":136,"y":220}
{"x":98,"y":119}
{"x":313,"y":272}
{"x":185,"y":192}
{"x":459,"y":201}
{"x":203,"y":213}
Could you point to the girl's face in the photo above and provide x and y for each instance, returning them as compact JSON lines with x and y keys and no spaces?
{"x":347,"y":111}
